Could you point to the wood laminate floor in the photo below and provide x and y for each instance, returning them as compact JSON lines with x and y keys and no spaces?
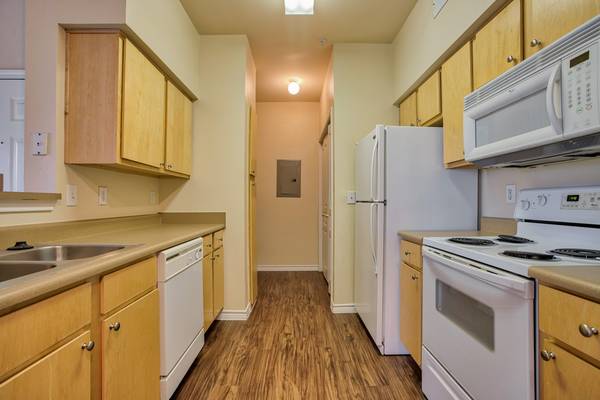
{"x":293,"y":347}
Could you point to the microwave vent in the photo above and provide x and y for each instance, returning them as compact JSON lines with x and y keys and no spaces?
{"x":568,"y":44}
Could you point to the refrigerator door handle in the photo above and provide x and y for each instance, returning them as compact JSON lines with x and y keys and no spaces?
{"x":372,"y":242}
{"x":373,"y":171}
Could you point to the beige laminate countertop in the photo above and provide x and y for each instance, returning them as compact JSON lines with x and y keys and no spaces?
{"x":583,"y":280}
{"x":148,"y":240}
{"x":417,"y":236}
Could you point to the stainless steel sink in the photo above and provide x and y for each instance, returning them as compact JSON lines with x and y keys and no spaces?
{"x":12,"y":270}
{"x":60,"y":253}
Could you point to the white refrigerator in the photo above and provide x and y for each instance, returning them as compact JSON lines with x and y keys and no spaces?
{"x":401,"y":184}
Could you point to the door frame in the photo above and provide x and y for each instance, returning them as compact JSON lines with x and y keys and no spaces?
{"x":327,"y":131}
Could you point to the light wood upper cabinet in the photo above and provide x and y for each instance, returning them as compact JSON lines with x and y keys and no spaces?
{"x":143,"y":134}
{"x":119,"y":112}
{"x":63,"y":374}
{"x":218,"y":281}
{"x":130,"y":353}
{"x":408,"y":111}
{"x":457,"y":82}
{"x":497,"y":46}
{"x":547,"y":20}
{"x":429,"y":103}
{"x":178,"y":150}
{"x":410,"y":310}
{"x":207,"y":292}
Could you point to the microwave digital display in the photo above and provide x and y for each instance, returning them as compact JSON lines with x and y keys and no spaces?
{"x":579,"y":59}
{"x":572,"y":197}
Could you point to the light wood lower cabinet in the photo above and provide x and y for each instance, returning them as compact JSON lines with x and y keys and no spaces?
{"x":63,"y":374}
{"x":410,"y":310}
{"x":130,"y":351}
{"x":213,"y":268}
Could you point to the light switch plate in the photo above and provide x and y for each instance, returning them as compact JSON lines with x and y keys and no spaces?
{"x":39,"y":144}
{"x":102,"y":195}
{"x":71,"y":195}
{"x":511,"y":193}
{"x":350,"y":197}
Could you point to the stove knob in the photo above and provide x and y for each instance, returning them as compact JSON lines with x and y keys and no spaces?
{"x":542,"y":200}
{"x":525,"y":204}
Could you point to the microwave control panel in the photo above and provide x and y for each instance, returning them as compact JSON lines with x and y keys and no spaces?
{"x":580,"y":74}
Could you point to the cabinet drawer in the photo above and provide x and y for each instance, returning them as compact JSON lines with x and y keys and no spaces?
{"x":30,"y":331}
{"x":125,"y":284}
{"x":562,"y":314}
{"x":410,"y":253}
{"x":207,"y":246}
{"x":63,"y":374}
{"x":218,"y":239}
{"x":566,"y":376}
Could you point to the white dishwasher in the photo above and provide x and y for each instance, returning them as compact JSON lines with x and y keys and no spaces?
{"x":181,"y":312}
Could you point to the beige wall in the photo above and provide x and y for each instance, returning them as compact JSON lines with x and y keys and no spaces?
{"x":12,"y":34}
{"x":423,"y":40}
{"x":362,"y":99}
{"x":219,"y":176}
{"x":287,"y":231}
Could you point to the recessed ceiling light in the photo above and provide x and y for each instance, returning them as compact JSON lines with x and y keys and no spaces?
{"x":294,"y":87}
{"x":299,"y":7}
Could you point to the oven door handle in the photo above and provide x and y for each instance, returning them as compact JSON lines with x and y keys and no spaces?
{"x":522,"y":286}
{"x":553,"y":96}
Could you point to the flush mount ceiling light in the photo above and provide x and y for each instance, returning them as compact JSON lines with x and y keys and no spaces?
{"x":294,"y":87}
{"x":299,"y":7}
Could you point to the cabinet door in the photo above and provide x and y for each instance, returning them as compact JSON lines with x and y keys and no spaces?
{"x":456,"y":84}
{"x":429,"y":106}
{"x":178,"y":151}
{"x":130,"y":351}
{"x":566,"y":376}
{"x":408,"y":111}
{"x":62,"y":375}
{"x":547,"y":20}
{"x":410,"y":310}
{"x":497,"y":46}
{"x":144,"y":92}
{"x":218,"y":281}
{"x":207,"y":281}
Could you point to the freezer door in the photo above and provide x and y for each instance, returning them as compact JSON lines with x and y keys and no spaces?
{"x":368,"y":262}
{"x":370,"y":152}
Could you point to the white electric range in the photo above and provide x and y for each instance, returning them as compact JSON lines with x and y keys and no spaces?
{"x":479,"y":319}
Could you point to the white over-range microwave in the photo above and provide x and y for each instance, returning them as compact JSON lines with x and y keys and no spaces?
{"x":546,"y":109}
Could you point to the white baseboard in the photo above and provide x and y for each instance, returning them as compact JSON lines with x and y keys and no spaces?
{"x":286,"y":268}
{"x":343,"y":308}
{"x":235,"y":315}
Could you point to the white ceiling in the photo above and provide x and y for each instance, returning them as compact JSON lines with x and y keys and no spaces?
{"x":289,"y":46}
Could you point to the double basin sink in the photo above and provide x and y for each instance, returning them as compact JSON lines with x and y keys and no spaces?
{"x":17,"y":263}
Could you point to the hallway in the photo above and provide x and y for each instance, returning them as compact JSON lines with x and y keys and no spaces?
{"x":293,"y":347}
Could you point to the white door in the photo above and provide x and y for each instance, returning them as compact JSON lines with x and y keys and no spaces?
{"x":368,"y":265}
{"x":12,"y":95}
{"x":369,"y":164}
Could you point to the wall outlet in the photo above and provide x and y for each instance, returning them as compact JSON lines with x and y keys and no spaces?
{"x":71,"y":195}
{"x":102,"y":195}
{"x":511,"y":193}
{"x":153,"y":198}
{"x":39,"y":144}
{"x":350,"y":197}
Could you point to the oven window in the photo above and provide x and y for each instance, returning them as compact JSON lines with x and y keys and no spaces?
{"x":470,"y":315}
{"x":526,"y":115}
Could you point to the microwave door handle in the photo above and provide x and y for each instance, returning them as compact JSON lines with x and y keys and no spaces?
{"x":552,"y":95}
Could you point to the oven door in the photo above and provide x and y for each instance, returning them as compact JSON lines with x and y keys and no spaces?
{"x":478,"y":323}
{"x":524,"y":116}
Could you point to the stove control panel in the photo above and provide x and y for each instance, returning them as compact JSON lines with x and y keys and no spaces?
{"x":570,"y":205}
{"x":580,"y":201}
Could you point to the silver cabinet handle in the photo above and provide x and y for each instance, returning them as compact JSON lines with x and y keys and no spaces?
{"x":414,"y":278}
{"x":89,"y":346}
{"x":115,"y":327}
{"x":587,"y":331}
{"x":407,"y":253}
{"x":535,"y":43}
{"x":510,"y":59}
{"x":548,"y":355}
